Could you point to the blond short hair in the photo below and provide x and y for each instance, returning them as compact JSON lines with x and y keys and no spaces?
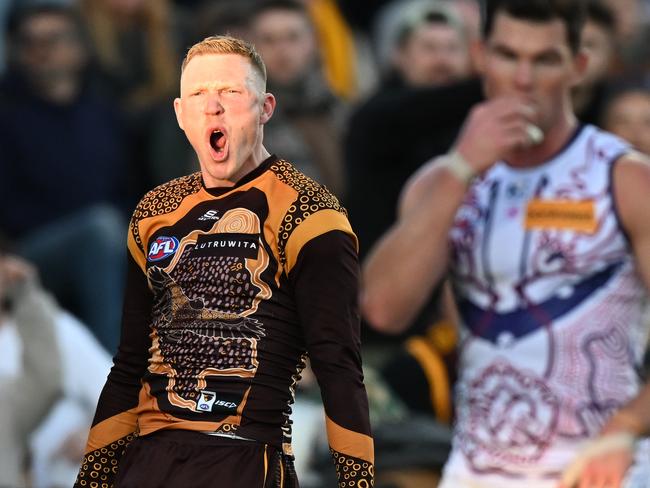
{"x":226,"y":45}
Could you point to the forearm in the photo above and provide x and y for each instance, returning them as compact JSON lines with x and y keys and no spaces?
{"x":325,"y":281}
{"x":404,"y":267}
{"x":346,"y":408}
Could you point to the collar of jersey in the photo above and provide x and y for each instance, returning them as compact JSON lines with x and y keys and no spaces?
{"x":250,"y":176}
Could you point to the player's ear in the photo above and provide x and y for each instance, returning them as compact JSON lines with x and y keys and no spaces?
{"x":268,"y":107}
{"x":179,"y":111}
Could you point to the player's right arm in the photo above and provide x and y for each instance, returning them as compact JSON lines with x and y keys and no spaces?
{"x":402,"y":269}
{"x":115,"y":421}
{"x":404,"y":266}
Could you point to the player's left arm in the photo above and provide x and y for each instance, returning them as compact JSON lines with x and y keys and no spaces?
{"x":632,"y":197}
{"x":606,"y":460}
{"x":324,"y":272}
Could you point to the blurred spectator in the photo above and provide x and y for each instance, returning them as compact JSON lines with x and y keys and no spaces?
{"x":62,"y":167}
{"x":396,"y":22}
{"x":135,"y":47}
{"x":598,"y":41}
{"x":306,"y":125}
{"x":29,"y":374}
{"x":631,"y":18}
{"x":470,"y":13}
{"x":342,"y":62}
{"x":57,"y":445}
{"x":431,"y":49}
{"x":633,"y":38}
{"x":138,"y":44}
{"x":627,"y":114}
{"x":410,"y":115}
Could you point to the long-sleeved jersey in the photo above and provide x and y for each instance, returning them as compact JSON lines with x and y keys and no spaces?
{"x":229,"y":290}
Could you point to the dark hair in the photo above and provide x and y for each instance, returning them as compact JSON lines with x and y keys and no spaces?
{"x":571,"y":12}
{"x":601,"y":14}
{"x":20,"y":14}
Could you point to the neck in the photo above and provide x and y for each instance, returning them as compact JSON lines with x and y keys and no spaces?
{"x":258,"y":156}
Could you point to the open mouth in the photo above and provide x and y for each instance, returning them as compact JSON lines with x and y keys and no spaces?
{"x":218,"y":145}
{"x":217,"y":140}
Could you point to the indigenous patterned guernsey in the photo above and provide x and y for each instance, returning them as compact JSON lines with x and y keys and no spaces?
{"x":228,"y":291}
{"x":551,"y":314}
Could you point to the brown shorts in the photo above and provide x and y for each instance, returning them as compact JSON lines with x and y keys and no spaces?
{"x":183,"y":459}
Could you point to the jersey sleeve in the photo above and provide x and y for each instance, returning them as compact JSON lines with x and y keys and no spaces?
{"x":115,"y":421}
{"x":325,"y":279}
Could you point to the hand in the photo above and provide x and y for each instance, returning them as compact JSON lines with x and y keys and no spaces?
{"x":602,"y":463}
{"x":495,"y":128}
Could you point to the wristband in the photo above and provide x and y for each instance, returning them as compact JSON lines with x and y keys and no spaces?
{"x":458,"y":166}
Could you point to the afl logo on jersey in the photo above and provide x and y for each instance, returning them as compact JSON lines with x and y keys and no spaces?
{"x":162,"y":248}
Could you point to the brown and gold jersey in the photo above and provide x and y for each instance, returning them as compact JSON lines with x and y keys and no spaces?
{"x":229,"y":290}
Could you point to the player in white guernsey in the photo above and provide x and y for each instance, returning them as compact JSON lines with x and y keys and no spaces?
{"x":544,"y":227}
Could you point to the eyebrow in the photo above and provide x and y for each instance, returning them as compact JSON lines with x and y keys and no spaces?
{"x":213,"y":85}
{"x":550,"y":52}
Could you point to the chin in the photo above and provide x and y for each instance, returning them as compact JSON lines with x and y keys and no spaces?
{"x":213,"y":171}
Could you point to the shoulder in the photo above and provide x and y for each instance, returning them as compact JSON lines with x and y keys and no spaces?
{"x":632,"y":171}
{"x":313,"y":211}
{"x":164,"y":199}
{"x":311,"y":196}
{"x":601,"y":144}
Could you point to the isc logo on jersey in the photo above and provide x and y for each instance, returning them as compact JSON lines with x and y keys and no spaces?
{"x":162,"y":248}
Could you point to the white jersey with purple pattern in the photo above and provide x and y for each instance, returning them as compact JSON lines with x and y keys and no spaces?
{"x":551,"y":334}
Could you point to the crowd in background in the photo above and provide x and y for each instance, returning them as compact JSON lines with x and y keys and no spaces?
{"x":367,"y":92}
